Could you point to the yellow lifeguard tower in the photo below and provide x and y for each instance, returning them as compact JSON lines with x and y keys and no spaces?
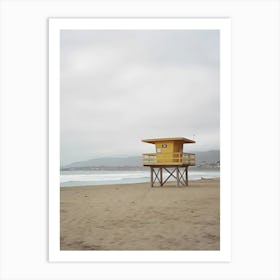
{"x":170,"y":157}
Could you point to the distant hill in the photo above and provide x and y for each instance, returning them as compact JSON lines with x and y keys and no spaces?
{"x":136,"y":161}
{"x":108,"y":162}
{"x":207,"y":157}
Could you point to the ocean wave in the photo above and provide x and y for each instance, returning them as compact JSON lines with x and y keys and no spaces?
{"x":119,"y":177}
{"x":100,"y":177}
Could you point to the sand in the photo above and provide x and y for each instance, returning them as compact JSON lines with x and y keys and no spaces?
{"x":138,"y":217}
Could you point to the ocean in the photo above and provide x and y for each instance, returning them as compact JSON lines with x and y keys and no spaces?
{"x":105,"y":177}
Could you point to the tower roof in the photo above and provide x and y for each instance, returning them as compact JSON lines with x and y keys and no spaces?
{"x":179,"y":139}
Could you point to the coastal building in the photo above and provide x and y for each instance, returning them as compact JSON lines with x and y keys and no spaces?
{"x":169,"y":156}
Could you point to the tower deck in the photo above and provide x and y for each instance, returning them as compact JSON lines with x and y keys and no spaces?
{"x":169,"y":159}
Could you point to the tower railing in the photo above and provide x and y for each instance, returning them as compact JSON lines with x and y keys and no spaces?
{"x":169,"y":159}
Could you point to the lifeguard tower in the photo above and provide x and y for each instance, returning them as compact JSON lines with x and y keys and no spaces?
{"x":170,"y":157}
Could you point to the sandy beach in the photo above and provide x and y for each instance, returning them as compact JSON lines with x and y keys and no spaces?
{"x":138,"y":217}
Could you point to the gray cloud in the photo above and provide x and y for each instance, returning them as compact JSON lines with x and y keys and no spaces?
{"x":118,"y":87}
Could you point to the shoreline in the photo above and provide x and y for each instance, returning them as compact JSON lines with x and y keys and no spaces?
{"x":126,"y":183}
{"x":110,"y":185}
{"x":139,"y":217}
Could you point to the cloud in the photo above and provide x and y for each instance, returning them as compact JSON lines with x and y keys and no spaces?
{"x":118,"y":87}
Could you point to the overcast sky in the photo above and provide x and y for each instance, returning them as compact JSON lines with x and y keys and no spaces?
{"x":118,"y":87}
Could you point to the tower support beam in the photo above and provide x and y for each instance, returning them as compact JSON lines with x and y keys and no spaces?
{"x":179,"y":173}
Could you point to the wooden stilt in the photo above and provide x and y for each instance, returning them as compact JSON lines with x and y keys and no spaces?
{"x":152,"y":176}
{"x":187,"y":176}
{"x":177,"y":176}
{"x":160,"y":176}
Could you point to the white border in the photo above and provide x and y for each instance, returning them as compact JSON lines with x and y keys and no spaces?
{"x":222,"y":24}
